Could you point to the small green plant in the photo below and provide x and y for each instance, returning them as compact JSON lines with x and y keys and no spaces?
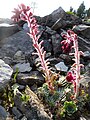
{"x":25,"y":98}
{"x":15,"y":75}
{"x":70,"y":107}
{"x":71,"y":13}
{"x":48,"y":96}
{"x":7,"y":97}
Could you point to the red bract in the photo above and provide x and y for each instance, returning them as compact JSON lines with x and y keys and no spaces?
{"x":16,"y":16}
{"x":24,"y":8}
{"x":67,"y":44}
{"x":70,"y":77}
{"x":20,"y":12}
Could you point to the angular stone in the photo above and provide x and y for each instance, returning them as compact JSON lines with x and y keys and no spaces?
{"x":34,"y":77}
{"x":50,"y":31}
{"x":16,"y":112}
{"x":56,"y":40}
{"x":23,"y":67}
{"x":83,"y":30}
{"x":3,"y":113}
{"x":61,"y":66}
{"x":5,"y":74}
{"x":87,"y":55}
{"x":18,"y":55}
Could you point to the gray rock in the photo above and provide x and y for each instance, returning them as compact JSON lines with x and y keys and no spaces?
{"x":47,"y":45}
{"x":61,"y":67}
{"x":34,"y":77}
{"x":33,"y":109}
{"x":66,"y":21}
{"x":85,"y":118}
{"x":51,"y":41}
{"x":16,"y":112}
{"x":5,"y":74}
{"x":84,"y":30}
{"x":60,"y":23}
{"x":21,"y":87}
{"x":17,"y":42}
{"x":24,"y":118}
{"x":8,"y":60}
{"x":87,"y":54}
{"x":3,"y":113}
{"x":67,"y":58}
{"x":6,"y":30}
{"x":50,"y":31}
{"x":89,"y":88}
{"x":22,"y":67}
{"x":25,"y":27}
{"x":88,"y":69}
{"x":45,"y":36}
{"x":56,"y":40}
{"x":86,"y":76}
{"x":84,"y":44}
{"x":18,"y":55}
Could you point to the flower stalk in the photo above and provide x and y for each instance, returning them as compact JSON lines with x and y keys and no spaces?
{"x":74,"y":76}
{"x":23,"y":12}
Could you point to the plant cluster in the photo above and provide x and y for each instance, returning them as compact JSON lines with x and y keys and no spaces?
{"x":63,"y":95}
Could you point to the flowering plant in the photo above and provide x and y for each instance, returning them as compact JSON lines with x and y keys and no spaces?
{"x":72,"y":42}
{"x":24,"y":12}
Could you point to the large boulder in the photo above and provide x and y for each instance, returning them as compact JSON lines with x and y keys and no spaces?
{"x":19,"y":41}
{"x":59,"y":19}
{"x":83,"y":30}
{"x":50,"y":19}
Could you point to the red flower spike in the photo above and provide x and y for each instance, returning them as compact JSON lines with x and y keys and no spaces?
{"x":67,"y":44}
{"x":72,"y":42}
{"x":70,"y":77}
{"x":23,"y":12}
